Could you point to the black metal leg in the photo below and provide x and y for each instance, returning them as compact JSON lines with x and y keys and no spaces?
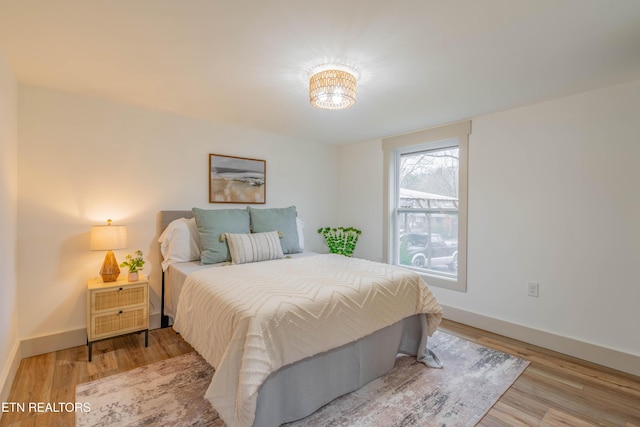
{"x":146,"y":338}
{"x":164,"y":320}
{"x":90,"y":350}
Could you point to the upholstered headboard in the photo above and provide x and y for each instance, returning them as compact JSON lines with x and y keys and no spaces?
{"x":167,"y":216}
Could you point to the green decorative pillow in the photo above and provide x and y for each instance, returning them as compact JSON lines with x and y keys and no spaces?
{"x":214,"y":223}
{"x":277,"y":219}
{"x":254,"y":247}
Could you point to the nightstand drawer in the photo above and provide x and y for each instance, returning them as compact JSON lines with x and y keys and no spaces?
{"x":109,"y":299}
{"x":118,"y":322}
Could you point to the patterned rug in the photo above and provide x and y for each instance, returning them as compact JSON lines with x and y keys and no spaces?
{"x":171,"y":392}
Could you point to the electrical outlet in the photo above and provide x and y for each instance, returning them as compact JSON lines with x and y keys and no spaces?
{"x":533,"y":289}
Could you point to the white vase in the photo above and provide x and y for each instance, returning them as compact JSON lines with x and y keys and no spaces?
{"x":133,"y":277}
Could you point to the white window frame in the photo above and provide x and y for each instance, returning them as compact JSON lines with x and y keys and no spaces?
{"x":427,"y":139}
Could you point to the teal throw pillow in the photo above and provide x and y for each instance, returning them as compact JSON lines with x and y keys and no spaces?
{"x":214,"y":223}
{"x":277,"y":219}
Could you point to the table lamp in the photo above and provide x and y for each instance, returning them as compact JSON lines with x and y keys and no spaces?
{"x":107,"y":238}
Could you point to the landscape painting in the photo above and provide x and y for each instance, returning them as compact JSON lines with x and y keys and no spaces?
{"x":236,"y":179}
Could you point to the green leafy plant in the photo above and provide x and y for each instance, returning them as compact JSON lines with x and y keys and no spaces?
{"x":341,"y":240}
{"x":133,"y":264}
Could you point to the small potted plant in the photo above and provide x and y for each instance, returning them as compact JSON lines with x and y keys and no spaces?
{"x":134,"y":264}
{"x":341,"y":240}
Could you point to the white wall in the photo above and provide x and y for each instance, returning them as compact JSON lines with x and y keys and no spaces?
{"x":554,"y":199}
{"x":361,"y":195}
{"x":8,"y":225}
{"x":83,"y":160}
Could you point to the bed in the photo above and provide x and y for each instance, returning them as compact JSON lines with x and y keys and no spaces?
{"x":290,"y":334}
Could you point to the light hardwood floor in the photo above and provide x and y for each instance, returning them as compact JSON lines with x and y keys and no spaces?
{"x":555,"y":390}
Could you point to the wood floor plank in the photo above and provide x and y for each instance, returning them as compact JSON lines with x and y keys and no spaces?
{"x":533,"y":370}
{"x":524,"y":402}
{"x":509,"y":415}
{"x":102,"y":361}
{"x":556,"y":418}
{"x":566,"y":399}
{"x":26,"y":422}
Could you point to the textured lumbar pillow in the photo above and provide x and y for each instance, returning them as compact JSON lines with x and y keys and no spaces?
{"x":254,"y":247}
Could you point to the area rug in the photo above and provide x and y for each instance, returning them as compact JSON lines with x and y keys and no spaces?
{"x":171,"y":392}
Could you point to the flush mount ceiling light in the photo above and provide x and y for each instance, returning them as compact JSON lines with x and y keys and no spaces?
{"x":332,"y":87}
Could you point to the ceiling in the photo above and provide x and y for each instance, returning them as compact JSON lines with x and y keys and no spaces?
{"x":244,"y":62}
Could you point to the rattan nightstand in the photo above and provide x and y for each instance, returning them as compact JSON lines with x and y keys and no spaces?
{"x":117,"y":308}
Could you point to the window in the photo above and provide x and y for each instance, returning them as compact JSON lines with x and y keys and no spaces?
{"x":426,"y":203}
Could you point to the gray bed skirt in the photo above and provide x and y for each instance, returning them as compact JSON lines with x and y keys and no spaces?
{"x":300,"y":389}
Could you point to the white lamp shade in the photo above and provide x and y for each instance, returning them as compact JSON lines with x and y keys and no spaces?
{"x":108,"y":237}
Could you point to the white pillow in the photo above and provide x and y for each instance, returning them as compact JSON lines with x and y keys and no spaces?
{"x":300,"y":226}
{"x":254,"y":247}
{"x":179,"y":242}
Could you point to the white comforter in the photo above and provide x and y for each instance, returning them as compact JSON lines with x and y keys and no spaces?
{"x":249,"y":320}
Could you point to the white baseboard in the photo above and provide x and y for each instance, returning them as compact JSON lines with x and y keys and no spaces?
{"x":9,"y":372}
{"x":63,"y":340}
{"x":48,"y":343}
{"x":615,"y":359}
{"x":154,"y":320}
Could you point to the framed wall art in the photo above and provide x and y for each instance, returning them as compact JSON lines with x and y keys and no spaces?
{"x":236,"y":179}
